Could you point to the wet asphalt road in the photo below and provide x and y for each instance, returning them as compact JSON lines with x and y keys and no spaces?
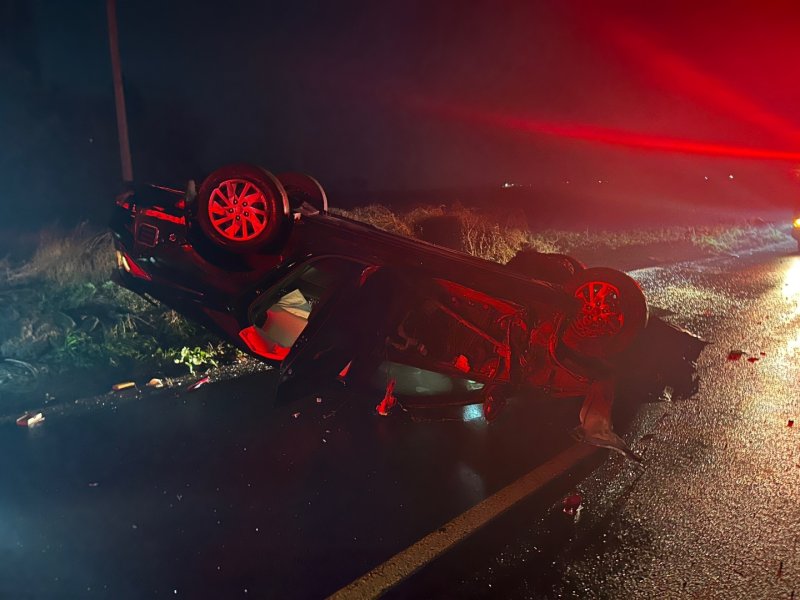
{"x":219,"y":493}
{"x":714,"y":512}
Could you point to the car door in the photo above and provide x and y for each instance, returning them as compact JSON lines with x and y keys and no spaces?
{"x":297,"y":318}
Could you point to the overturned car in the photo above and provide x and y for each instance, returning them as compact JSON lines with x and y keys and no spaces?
{"x":261,"y":261}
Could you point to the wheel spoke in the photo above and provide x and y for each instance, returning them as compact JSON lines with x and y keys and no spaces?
{"x":256,"y":196}
{"x":255,"y":223}
{"x":602,"y":292}
{"x":219,"y":222}
{"x":230,"y":191}
{"x":257,"y":210}
{"x":247,"y":186}
{"x":219,"y":198}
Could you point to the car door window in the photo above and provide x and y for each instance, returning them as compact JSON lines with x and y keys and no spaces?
{"x":282,"y":314}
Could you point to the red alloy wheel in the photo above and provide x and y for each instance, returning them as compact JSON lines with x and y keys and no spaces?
{"x":610,"y":313}
{"x":238,"y":210}
{"x":601,"y":313}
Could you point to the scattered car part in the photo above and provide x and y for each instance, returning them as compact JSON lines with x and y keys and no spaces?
{"x":595,"y":417}
{"x":199,"y":383}
{"x":30,"y":419}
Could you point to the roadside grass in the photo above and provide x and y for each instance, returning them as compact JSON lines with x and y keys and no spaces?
{"x":62,"y":313}
{"x":499,"y":239}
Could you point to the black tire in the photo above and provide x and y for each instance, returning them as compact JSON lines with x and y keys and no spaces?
{"x":551,"y":267}
{"x":242,"y":208}
{"x":612,"y":314}
{"x":301,"y":188}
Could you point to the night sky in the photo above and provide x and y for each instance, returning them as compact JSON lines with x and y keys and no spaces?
{"x":628,"y":101}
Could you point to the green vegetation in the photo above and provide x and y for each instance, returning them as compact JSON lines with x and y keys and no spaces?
{"x":62,"y":312}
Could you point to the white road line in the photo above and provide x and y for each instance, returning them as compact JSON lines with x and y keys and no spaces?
{"x":405,"y":563}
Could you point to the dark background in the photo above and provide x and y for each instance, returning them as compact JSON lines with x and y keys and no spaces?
{"x":626,"y":103}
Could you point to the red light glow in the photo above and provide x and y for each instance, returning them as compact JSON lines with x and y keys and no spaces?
{"x":606,"y":135}
{"x":676,"y":73}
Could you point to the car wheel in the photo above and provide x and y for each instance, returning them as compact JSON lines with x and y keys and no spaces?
{"x":242,"y":208}
{"x":612,"y":312}
{"x":552,"y":267}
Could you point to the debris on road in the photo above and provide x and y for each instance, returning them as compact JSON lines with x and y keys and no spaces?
{"x":117,"y":387}
{"x":737,"y":354}
{"x":295,"y":415}
{"x":667,"y":393}
{"x":155,"y":383}
{"x":343,"y":373}
{"x":199,"y":383}
{"x":30,"y":419}
{"x":93,"y":484}
{"x":595,"y":416}
{"x":319,"y":400}
{"x":572,"y":504}
{"x":387,"y":404}
{"x":790,"y":423}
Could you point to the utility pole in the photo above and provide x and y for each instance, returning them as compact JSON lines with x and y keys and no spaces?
{"x":119,"y":93}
